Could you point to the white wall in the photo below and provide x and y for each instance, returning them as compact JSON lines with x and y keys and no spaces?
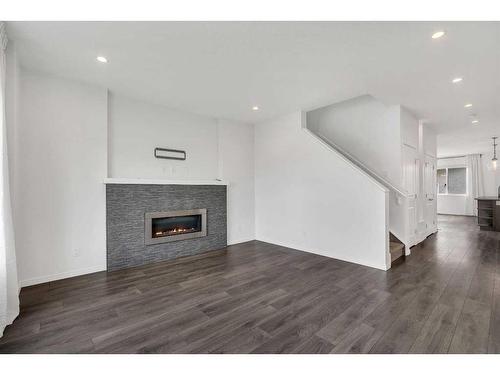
{"x":215,"y":149}
{"x":236,"y":166}
{"x":308,"y":197}
{"x":136,"y":128}
{"x":59,"y":197}
{"x":452,"y":205}
{"x":409,"y":128}
{"x":365,"y":128}
{"x":429,"y":141}
{"x":59,"y":159}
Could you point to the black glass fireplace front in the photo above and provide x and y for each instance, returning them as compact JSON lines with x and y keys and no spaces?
{"x":174,"y":225}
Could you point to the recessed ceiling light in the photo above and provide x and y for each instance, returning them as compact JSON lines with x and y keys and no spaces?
{"x":475,"y":121}
{"x":255,"y":108}
{"x":438,"y":34}
{"x":102,"y":59}
{"x":456,"y":80}
{"x":468,"y":105}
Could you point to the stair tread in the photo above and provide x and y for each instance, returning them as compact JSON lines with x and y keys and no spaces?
{"x":395,"y":246}
{"x":396,"y":249}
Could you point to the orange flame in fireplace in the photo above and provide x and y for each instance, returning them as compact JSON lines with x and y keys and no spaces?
{"x":174,"y":231}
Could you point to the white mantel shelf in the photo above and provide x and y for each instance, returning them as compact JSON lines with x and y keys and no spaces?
{"x":145,"y":181}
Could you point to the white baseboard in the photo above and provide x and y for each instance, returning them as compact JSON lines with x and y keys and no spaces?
{"x":315,"y":251}
{"x":59,"y":276}
{"x":84,"y":271}
{"x":240,"y":240}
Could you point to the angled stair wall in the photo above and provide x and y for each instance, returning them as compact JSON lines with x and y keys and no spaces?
{"x":313,"y":198}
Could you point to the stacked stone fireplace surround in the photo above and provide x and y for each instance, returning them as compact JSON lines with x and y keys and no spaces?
{"x":127,"y":204}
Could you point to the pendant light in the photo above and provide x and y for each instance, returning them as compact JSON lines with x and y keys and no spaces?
{"x":494,"y":161}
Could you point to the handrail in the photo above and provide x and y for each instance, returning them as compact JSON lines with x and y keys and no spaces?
{"x":363,"y":167}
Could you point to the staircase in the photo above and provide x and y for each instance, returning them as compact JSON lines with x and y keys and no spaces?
{"x":396,"y":248}
{"x":398,"y":225}
{"x":394,"y":149}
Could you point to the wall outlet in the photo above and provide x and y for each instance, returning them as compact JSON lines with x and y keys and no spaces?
{"x":76,"y":253}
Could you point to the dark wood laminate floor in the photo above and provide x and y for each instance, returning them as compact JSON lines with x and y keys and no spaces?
{"x":261,"y":298}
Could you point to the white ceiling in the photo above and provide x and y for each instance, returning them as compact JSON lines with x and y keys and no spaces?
{"x":222,"y":69}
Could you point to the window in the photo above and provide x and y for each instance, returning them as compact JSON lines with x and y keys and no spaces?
{"x":452,"y":180}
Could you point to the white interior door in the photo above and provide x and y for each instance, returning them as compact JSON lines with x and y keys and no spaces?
{"x":430,"y":207}
{"x":410,"y":183}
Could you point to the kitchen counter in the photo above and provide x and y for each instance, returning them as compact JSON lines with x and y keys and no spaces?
{"x":488,"y":213}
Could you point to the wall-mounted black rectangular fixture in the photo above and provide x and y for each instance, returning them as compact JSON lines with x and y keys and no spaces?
{"x":167,"y":153}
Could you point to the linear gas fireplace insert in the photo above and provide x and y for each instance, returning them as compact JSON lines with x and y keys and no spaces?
{"x":170,"y":226}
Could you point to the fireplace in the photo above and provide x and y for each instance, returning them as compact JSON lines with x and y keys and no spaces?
{"x":171,"y":226}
